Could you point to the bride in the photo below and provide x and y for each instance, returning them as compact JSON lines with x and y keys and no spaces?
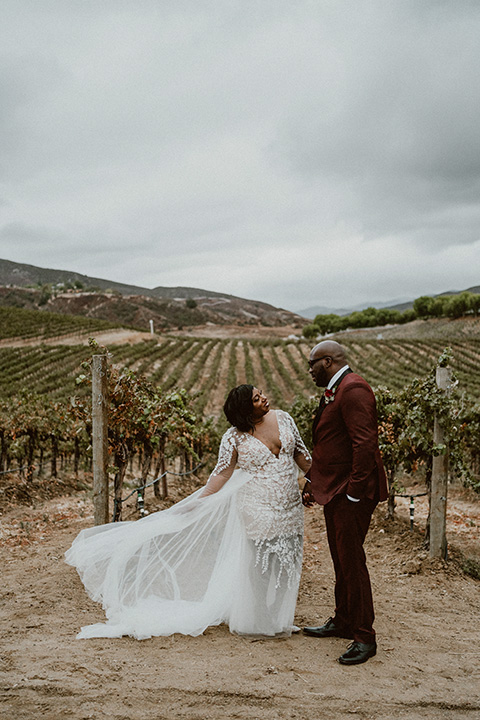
{"x":229,"y":553}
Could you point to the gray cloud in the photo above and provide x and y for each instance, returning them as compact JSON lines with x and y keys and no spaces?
{"x":239,"y":147}
{"x":400,"y":124}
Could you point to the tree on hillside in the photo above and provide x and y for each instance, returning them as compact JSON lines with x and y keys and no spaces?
{"x":407,"y":316}
{"x":329,"y":323}
{"x":438,"y":306}
{"x":458,"y":305}
{"x":474,"y":303}
{"x":423,"y":306}
{"x":310,"y":331}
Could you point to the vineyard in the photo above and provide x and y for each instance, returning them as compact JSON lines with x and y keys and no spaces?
{"x":207,"y":367}
{"x":167,"y":392}
{"x":167,"y":396}
{"x":24,"y":323}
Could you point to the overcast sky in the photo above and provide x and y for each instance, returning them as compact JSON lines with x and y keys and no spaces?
{"x":305,"y":152}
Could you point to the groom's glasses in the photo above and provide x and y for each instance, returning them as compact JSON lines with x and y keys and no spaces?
{"x":311,"y":363}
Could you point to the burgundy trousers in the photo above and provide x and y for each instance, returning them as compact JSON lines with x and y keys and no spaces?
{"x":347,"y":524}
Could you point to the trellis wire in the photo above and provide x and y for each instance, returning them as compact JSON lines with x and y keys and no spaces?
{"x":412,"y":505}
{"x":141,"y":488}
{"x":14,"y":470}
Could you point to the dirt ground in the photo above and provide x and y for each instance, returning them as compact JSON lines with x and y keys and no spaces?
{"x":124,"y":335}
{"x":258,"y":332}
{"x":106,"y":337}
{"x":427,"y":665}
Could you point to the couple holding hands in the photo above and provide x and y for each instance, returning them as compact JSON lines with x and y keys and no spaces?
{"x":232,"y":551}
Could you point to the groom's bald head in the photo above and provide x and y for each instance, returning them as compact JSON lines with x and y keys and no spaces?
{"x":331,"y":348}
{"x":326,"y":358}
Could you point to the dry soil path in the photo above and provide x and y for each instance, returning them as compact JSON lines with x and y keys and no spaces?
{"x":427,"y":666}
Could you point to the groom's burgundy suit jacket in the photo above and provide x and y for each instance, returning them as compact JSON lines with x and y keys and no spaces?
{"x":346,"y":457}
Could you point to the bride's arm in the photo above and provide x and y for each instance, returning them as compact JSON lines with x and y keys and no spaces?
{"x":227,"y":460}
{"x":300,"y":454}
{"x":304,"y":462}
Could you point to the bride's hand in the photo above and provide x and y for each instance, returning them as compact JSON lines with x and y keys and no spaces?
{"x":307,"y":496}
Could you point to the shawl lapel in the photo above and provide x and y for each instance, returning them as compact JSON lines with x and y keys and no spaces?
{"x":321,"y":407}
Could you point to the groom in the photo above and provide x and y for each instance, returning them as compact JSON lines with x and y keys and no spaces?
{"x":348,"y":479}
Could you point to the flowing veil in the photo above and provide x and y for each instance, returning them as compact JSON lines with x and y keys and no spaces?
{"x":181,"y":570}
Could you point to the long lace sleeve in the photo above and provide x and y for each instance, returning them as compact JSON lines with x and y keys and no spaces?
{"x":301,"y":455}
{"x":227,"y":460}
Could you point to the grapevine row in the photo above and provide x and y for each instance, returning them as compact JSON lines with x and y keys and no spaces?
{"x":279,"y":368}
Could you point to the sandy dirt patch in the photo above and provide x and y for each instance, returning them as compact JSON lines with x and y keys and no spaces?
{"x":120,"y":336}
{"x":239,"y":331}
{"x":123,"y":336}
{"x":427,"y":665}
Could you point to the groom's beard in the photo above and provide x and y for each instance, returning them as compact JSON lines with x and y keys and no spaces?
{"x":321,"y":379}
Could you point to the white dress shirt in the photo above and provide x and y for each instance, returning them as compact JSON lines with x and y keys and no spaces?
{"x":335,"y":377}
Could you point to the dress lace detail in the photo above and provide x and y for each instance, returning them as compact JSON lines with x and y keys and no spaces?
{"x":270,"y":503}
{"x":288,"y":551}
{"x":227,"y":452}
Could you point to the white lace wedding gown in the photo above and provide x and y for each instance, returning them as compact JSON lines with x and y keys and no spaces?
{"x":231,"y":552}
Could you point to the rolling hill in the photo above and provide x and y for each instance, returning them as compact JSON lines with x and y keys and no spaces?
{"x":61,"y":291}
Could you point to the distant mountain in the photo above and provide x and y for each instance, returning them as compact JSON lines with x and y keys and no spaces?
{"x":167,"y":307}
{"x":399,"y":304}
{"x":475,"y":290}
{"x":311,"y":312}
{"x":22,"y":275}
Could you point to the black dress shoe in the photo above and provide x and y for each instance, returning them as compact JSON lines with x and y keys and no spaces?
{"x":327,"y":630}
{"x":358,"y":653}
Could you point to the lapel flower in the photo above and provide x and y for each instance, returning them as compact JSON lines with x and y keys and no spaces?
{"x":329,"y":395}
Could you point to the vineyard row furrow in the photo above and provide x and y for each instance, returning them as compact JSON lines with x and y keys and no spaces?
{"x":183,"y":363}
{"x":173,"y":353}
{"x":197,"y":368}
{"x":205,"y":402}
{"x":302,"y":377}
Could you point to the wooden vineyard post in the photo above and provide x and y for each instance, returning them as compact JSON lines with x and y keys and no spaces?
{"x":100,"y":438}
{"x":438,"y":496}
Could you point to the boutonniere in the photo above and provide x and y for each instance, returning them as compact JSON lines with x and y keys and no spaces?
{"x":329,"y":395}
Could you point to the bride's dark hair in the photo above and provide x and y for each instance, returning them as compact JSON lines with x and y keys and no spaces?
{"x":238,"y":407}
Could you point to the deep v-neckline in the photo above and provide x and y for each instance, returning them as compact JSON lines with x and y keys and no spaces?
{"x":279,"y":439}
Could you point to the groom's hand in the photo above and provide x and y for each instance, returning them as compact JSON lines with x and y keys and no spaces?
{"x":307,"y":497}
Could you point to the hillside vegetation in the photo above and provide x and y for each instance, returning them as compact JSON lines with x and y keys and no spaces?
{"x":137,"y":311}
{"x":459,"y":305}
{"x":444,"y":329}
